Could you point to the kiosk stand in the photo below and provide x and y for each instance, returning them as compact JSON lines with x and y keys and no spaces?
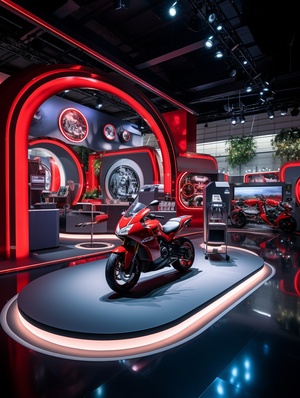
{"x":215,"y":203}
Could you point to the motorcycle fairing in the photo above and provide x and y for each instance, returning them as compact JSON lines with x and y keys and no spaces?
{"x":128,"y":254}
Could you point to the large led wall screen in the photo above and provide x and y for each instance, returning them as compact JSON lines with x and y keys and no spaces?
{"x":246,"y":192}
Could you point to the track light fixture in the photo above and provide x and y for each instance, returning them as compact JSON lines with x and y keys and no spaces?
{"x":219,"y":53}
{"x":233,"y":120}
{"x":283,"y":111}
{"x":98,"y":105}
{"x":209,"y":42}
{"x":248,"y":88}
{"x":173,"y":9}
{"x":211,"y":17}
{"x":242,"y":119}
{"x":233,"y":72}
{"x":119,"y":4}
{"x":214,"y":20}
{"x":270,"y":114}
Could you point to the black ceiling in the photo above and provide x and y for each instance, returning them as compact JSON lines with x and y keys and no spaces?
{"x":165,"y":56}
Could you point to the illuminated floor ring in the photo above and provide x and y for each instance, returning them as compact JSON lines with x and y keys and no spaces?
{"x":94,"y":245}
{"x":110,"y":350}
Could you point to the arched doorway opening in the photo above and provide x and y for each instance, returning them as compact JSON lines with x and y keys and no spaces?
{"x":24,"y":93}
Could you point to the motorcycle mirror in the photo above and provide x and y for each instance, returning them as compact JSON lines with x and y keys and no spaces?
{"x":154,"y":202}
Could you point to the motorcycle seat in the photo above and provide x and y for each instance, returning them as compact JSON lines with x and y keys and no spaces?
{"x":171,"y":225}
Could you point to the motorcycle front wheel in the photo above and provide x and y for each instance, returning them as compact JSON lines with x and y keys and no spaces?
{"x":288,"y":225}
{"x":118,"y":279}
{"x":186,"y":258}
{"x":238,"y":219}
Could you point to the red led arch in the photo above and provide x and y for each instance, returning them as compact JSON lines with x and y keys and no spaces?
{"x":24,"y":94}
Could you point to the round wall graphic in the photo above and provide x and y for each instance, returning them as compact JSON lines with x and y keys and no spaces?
{"x":73,"y":125}
{"x":109,"y":132}
{"x":125,"y":136}
{"x":123,"y":180}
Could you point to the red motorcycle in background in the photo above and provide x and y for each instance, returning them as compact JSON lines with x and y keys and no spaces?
{"x":147,"y":246}
{"x":276,"y":214}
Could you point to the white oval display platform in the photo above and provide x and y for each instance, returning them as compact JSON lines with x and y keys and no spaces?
{"x":73,"y":312}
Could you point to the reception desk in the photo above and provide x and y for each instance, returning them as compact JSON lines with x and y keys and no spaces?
{"x":43,"y":228}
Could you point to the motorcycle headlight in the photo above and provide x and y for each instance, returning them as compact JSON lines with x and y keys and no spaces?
{"x":124,"y":230}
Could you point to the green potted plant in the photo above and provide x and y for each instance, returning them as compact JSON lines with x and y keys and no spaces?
{"x":241,"y":150}
{"x":97,"y":166}
{"x":92,"y":196}
{"x":286,"y":144}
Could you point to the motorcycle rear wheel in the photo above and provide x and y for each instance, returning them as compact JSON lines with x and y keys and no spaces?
{"x":288,"y":225}
{"x":116,"y":277}
{"x":184,"y":262}
{"x":238,"y":219}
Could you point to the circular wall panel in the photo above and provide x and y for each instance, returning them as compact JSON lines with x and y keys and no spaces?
{"x":123,"y":179}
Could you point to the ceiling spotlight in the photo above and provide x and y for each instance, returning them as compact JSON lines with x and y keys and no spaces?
{"x":219,"y":54}
{"x":248,"y":88}
{"x":233,"y":120}
{"x":98,"y":105}
{"x":242,"y":119}
{"x":295,"y":111}
{"x":213,"y":20}
{"x":270,"y":114}
{"x":283,"y":111}
{"x":173,"y":9}
{"x":209,"y":42}
{"x":233,"y":73}
{"x":212,"y":17}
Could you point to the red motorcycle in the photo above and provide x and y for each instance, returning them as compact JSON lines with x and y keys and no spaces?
{"x":261,"y":210}
{"x":147,"y":246}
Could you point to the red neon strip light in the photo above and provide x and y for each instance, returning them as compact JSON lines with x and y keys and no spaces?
{"x":95,"y":54}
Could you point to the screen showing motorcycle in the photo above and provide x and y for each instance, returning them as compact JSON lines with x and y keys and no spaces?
{"x":252,"y":191}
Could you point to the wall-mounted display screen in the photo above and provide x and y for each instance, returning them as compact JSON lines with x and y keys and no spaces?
{"x":251,"y":191}
{"x":37,"y":182}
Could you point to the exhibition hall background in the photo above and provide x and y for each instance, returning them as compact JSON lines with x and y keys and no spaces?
{"x":211,"y":139}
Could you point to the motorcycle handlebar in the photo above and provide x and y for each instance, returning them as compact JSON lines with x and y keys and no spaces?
{"x":154,"y":216}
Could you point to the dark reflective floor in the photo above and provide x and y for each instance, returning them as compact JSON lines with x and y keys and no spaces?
{"x":252,"y":351}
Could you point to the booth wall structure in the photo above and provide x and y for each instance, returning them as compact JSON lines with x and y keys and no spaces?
{"x":24,"y":93}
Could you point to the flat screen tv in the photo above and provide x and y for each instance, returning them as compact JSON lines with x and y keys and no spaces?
{"x":251,"y":191}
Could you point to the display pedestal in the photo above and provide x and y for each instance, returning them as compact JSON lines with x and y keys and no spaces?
{"x":43,"y":229}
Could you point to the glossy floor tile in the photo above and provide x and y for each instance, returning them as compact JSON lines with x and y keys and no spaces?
{"x":252,"y":351}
